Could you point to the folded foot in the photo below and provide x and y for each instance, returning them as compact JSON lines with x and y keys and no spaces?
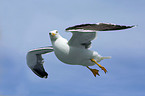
{"x":94,"y":71}
{"x":103,"y":68}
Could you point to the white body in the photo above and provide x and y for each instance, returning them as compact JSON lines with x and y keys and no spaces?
{"x":74,"y":55}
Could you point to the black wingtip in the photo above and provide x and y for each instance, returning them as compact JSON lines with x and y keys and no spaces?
{"x":126,"y":27}
{"x":42,"y":74}
{"x":133,"y":26}
{"x":99,"y":27}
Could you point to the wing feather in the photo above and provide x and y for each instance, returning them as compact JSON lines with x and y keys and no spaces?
{"x":35,"y":60}
{"x":83,"y":34}
{"x":82,"y":40}
{"x":97,"y":27}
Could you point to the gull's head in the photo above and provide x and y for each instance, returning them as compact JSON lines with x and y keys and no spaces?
{"x":54,"y":34}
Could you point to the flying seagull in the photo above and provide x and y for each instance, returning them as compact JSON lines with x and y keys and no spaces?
{"x":75,"y":51}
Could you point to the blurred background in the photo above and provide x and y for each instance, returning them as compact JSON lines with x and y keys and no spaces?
{"x":24,"y":25}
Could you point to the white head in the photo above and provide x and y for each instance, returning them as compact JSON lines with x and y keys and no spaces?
{"x":54,"y":35}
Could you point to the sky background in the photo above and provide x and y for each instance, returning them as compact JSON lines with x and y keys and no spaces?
{"x":24,"y":25}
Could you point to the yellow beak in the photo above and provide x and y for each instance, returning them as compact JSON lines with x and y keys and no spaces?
{"x":53,"y":34}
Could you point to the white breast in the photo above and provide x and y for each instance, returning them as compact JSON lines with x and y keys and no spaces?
{"x":72,"y":55}
{"x":61,"y":49}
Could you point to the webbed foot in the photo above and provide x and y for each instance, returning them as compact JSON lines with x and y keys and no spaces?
{"x":94,"y":71}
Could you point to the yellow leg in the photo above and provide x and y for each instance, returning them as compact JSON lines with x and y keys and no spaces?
{"x":103,"y":68}
{"x":94,"y":71}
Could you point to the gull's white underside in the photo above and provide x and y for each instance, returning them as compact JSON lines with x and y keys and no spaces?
{"x":74,"y":55}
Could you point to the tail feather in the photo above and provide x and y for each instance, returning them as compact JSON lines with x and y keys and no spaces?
{"x":102,"y":58}
{"x":108,"y":57}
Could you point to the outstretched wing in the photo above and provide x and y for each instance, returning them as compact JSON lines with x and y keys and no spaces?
{"x":97,"y":27}
{"x":35,"y":60}
{"x":84,"y":33}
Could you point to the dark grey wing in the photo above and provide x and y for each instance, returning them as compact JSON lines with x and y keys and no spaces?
{"x":97,"y":27}
{"x":35,"y":60}
{"x":83,"y":34}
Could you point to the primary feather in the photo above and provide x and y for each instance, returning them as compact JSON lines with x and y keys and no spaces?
{"x":97,"y":27}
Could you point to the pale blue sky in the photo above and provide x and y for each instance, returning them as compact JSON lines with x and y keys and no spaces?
{"x":24,"y":25}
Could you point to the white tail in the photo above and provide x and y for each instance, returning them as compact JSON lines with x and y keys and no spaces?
{"x":108,"y":57}
{"x":102,"y":58}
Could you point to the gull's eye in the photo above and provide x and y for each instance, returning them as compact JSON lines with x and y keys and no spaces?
{"x":56,"y":31}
